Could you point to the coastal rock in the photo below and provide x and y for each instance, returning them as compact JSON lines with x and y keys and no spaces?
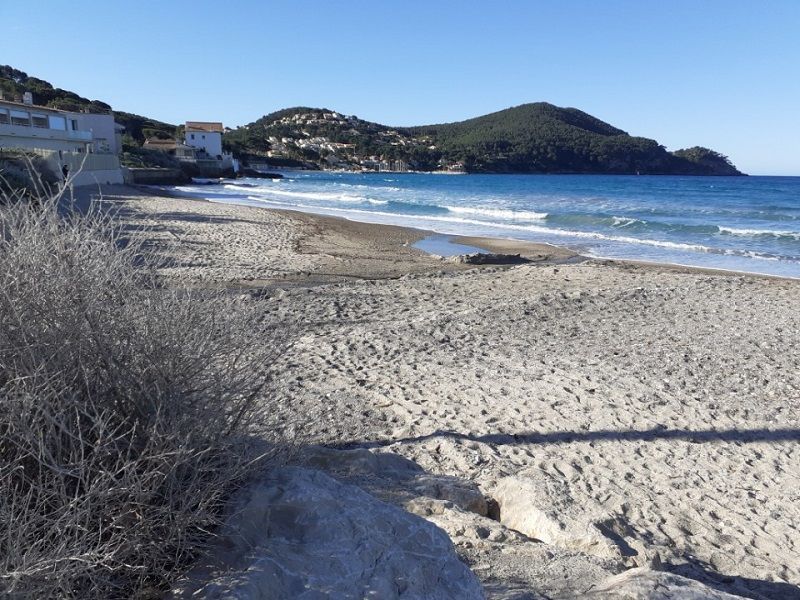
{"x":645,"y":584}
{"x":298,"y":533}
{"x":463,"y":527}
{"x":359,"y":461}
{"x":463,"y":494}
{"x":256,"y":174}
{"x":400,"y":473}
{"x":541,"y":507}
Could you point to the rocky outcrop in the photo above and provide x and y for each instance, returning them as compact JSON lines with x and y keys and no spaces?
{"x":255,"y":174}
{"x":644,"y":584}
{"x":541,"y":507}
{"x":299,"y":533}
{"x":382,"y":470}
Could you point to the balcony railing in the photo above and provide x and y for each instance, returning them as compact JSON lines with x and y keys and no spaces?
{"x":45,"y":133}
{"x":83,"y":136}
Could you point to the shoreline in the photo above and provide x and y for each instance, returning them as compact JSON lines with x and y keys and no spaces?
{"x":535,"y":251}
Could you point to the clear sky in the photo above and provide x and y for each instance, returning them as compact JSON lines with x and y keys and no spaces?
{"x":722,"y":74}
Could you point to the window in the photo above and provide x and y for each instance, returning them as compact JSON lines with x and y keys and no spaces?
{"x":39,"y":120}
{"x":204,"y":137}
{"x":74,"y":124}
{"x":20,"y":117}
{"x":58,"y":123}
{"x":4,"y":120}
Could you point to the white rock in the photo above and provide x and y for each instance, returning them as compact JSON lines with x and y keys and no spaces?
{"x":644,"y":584}
{"x":299,"y":533}
{"x":540,"y":506}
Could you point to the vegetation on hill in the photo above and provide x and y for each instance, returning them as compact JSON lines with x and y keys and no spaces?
{"x":706,"y":161}
{"x":531,"y":138}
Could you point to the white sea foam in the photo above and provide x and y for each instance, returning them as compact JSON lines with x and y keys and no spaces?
{"x":320,"y":196}
{"x":501,"y":225}
{"x":759,"y":232}
{"x":621,"y":222}
{"x":498,"y":213}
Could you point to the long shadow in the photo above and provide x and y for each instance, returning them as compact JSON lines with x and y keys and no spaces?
{"x":757,"y":589}
{"x":744,"y":436}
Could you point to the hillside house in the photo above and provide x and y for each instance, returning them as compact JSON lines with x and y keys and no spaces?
{"x":205,"y":136}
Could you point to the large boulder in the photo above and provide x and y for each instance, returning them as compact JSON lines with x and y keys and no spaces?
{"x":298,"y":533}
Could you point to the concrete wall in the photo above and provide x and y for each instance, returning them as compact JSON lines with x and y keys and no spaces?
{"x":85,"y":169}
{"x":156,"y":176}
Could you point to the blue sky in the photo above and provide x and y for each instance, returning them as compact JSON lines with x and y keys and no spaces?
{"x":720,"y":74}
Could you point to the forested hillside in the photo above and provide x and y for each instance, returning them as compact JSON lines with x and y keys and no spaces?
{"x":532,"y":138}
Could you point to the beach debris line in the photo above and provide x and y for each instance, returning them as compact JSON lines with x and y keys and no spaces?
{"x":483,"y":258}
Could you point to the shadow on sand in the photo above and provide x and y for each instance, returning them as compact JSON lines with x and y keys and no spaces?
{"x":694,"y":569}
{"x":757,"y":589}
{"x":740,"y":436}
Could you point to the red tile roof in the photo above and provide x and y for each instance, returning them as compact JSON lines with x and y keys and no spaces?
{"x":160,"y":144}
{"x":204,"y":126}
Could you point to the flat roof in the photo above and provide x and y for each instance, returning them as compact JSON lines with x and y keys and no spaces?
{"x":35,"y":107}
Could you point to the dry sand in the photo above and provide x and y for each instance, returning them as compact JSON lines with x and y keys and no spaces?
{"x":661,"y":403}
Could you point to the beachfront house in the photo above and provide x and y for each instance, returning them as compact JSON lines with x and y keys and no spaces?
{"x":205,"y":136}
{"x":88,"y":144}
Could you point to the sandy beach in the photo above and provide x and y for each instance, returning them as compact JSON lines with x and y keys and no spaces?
{"x":649,"y":416}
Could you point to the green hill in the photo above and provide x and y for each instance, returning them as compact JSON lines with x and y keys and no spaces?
{"x":531,"y":138}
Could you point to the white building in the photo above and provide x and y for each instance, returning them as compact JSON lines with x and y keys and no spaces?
{"x":205,"y":136}
{"x":106,"y":134}
{"x":25,"y":125}
{"x":88,"y":144}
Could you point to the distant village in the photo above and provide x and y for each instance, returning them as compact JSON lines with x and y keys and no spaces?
{"x":341,"y":155}
{"x":333,"y":152}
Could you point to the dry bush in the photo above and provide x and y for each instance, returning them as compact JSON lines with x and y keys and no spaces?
{"x":23,"y":173}
{"x":125,"y":409}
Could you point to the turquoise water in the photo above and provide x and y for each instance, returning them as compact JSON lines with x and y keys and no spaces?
{"x":741,"y":223}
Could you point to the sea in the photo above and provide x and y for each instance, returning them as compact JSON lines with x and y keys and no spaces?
{"x":749,"y":224}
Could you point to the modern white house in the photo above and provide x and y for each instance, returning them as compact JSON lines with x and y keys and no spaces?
{"x":206,"y":136}
{"x":24,"y":125}
{"x":88,"y":144}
